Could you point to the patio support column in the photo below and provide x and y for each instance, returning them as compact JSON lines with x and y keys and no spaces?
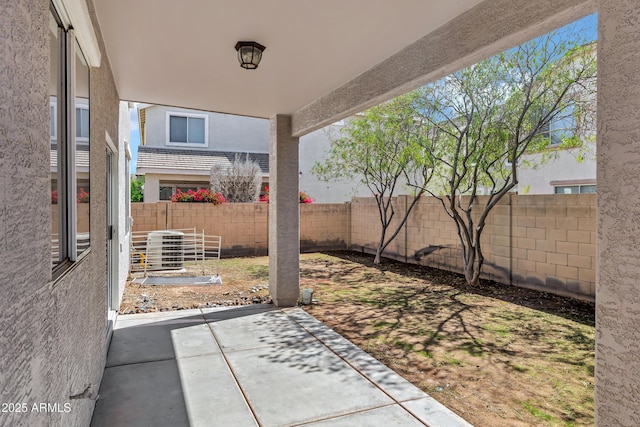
{"x":617,"y":389}
{"x":284,"y":214}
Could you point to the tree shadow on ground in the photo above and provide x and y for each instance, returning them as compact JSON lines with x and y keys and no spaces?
{"x":568,"y":308}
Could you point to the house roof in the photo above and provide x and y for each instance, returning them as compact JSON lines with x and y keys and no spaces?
{"x":82,"y":157}
{"x":153,"y":158}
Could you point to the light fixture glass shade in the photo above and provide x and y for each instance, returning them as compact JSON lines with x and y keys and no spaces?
{"x":249,"y":54}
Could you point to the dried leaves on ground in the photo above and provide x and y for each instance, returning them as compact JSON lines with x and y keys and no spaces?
{"x":497,"y":355}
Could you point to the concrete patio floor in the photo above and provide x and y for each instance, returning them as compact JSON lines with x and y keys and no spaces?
{"x":251,"y":366}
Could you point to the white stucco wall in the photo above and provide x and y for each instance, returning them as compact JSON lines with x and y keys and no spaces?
{"x":151,"y":188}
{"x":314,"y":147}
{"x":564,"y":166}
{"x":123,"y":232}
{"x":227,"y":132}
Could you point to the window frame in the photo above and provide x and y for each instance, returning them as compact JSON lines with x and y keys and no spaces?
{"x":558,"y":127}
{"x":65,"y":132}
{"x":170,"y":114}
{"x":579,"y":187}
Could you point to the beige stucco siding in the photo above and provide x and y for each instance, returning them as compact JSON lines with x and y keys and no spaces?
{"x":52,"y":333}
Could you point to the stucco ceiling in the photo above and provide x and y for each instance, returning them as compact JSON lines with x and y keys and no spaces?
{"x":181,"y":53}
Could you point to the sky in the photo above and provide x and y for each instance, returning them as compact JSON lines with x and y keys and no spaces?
{"x":587,"y":27}
{"x":134,"y":137}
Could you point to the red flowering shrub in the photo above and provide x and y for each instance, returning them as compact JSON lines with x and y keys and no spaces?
{"x":82,"y":196}
{"x":304,"y":198}
{"x":201,"y":196}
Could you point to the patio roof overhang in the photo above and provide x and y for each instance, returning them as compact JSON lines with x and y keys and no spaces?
{"x":324,"y":60}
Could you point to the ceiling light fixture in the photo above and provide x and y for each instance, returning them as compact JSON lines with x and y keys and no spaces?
{"x":249,"y":54}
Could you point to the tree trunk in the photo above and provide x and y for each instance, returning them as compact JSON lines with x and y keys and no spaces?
{"x":469,"y":270}
{"x":380,"y":248}
{"x":376,"y":260}
{"x":473,"y":266}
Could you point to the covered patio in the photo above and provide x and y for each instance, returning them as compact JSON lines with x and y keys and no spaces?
{"x":251,"y":366}
{"x":324,"y":61}
{"x":327,"y":60}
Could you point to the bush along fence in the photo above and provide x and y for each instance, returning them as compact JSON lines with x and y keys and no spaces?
{"x":544,"y":242}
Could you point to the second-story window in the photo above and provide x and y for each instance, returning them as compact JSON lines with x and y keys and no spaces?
{"x":560,"y":127}
{"x":82,"y":120}
{"x":187,"y":129}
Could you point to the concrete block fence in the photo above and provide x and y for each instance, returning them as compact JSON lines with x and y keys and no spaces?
{"x":544,"y":242}
{"x":244,"y":226}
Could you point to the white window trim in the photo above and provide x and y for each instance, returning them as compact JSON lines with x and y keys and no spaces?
{"x":578,"y":186}
{"x":76,"y":11}
{"x":192,"y":115}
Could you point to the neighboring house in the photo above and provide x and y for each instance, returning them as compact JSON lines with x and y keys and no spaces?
{"x":315,"y":147}
{"x":564,"y":173}
{"x":178,"y":147}
{"x":563,"y":170}
{"x":566,"y":170}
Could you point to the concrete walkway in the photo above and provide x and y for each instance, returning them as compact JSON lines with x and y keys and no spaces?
{"x":251,"y":366}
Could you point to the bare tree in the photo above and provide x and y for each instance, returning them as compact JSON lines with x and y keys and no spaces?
{"x":238,"y":183}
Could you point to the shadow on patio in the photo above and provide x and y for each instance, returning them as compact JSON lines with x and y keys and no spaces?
{"x":251,"y":366}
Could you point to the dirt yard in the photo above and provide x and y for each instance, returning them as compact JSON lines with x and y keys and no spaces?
{"x":496,"y":355}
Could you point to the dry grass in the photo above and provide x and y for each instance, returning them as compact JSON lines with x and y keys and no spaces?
{"x":496,"y":355}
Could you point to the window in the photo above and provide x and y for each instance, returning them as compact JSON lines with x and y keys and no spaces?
{"x":187,"y":129}
{"x":82,"y":176}
{"x":53,"y":118}
{"x":58,"y":222}
{"x":82,"y":120}
{"x":562,"y":126}
{"x":167,"y":189}
{"x":575,"y":189}
{"x":69,"y":132}
{"x":165,"y":192}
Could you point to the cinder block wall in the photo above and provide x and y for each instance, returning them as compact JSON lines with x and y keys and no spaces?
{"x":554,"y":243}
{"x":244,"y":226}
{"x":541,"y":242}
{"x":366,"y":228}
{"x":324,"y":227}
